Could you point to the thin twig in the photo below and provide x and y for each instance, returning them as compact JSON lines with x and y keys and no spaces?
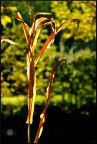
{"x":30,"y":11}
{"x":29,"y":126}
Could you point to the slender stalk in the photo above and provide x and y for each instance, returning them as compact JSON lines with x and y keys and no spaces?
{"x":30,"y":10}
{"x":29,"y":108}
{"x":29,"y":133}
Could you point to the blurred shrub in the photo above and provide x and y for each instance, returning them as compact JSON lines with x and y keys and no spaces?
{"x":85,"y":11}
{"x":13,"y":62}
{"x":6,"y":14}
{"x":73,"y":88}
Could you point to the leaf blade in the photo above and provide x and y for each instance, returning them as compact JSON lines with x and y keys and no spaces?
{"x":7,"y":40}
{"x":62,"y":26}
{"x":48,"y":41}
{"x":43,"y":114}
{"x":25,"y":26}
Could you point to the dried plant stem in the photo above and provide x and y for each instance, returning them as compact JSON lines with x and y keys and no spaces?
{"x":42,"y":116}
{"x":31,"y":38}
{"x":30,"y":10}
{"x":29,"y":133}
{"x":40,"y":128}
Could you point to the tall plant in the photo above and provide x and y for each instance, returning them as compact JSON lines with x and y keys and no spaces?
{"x":40,"y":20}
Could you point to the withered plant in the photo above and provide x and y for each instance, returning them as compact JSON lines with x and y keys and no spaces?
{"x":31,"y":33}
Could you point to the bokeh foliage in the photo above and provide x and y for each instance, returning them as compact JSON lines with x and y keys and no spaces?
{"x":86,"y":11}
{"x":74,"y":85}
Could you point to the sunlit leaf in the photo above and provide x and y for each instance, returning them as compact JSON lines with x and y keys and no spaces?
{"x":31,"y":73}
{"x":48,"y":41}
{"x":62,"y":26}
{"x":25,"y":26}
{"x":40,"y":128}
{"x":51,"y":23}
{"x":43,"y":13}
{"x":52,"y":36}
{"x":52,"y":75}
{"x":39,"y":21}
{"x":33,"y":46}
{"x":5,"y":19}
{"x":31,"y":100}
{"x":7,"y":40}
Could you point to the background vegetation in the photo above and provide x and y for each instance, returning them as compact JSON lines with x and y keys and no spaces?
{"x":75,"y":85}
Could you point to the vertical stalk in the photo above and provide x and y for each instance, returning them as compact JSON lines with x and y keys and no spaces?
{"x":30,"y":10}
{"x":29,"y":99}
{"x":29,"y":132}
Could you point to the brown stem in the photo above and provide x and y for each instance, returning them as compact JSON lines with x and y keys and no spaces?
{"x":29,"y":126}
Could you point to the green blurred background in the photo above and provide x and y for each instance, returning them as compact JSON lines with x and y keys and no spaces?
{"x":74,"y":85}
